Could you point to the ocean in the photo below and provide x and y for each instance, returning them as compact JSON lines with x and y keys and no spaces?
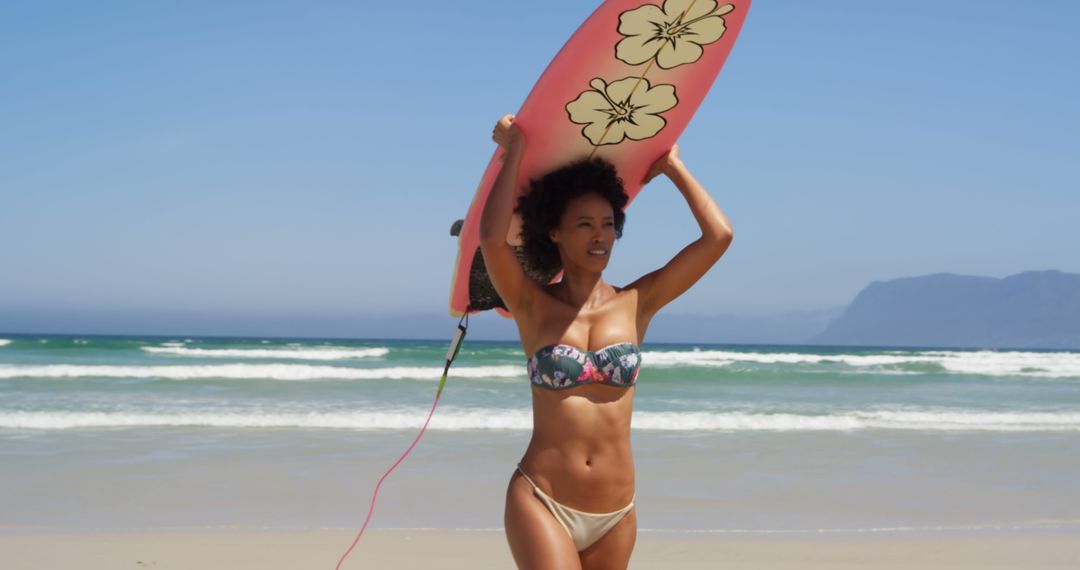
{"x":153,"y":432}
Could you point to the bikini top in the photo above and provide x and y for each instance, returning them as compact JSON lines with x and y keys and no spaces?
{"x":561,"y":366}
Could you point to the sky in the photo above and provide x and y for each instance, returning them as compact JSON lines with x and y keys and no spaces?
{"x":308,"y":158}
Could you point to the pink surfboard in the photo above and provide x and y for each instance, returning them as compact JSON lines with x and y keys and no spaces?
{"x":623,"y":88}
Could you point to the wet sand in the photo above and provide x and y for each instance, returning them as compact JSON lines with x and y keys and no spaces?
{"x":484,"y":549}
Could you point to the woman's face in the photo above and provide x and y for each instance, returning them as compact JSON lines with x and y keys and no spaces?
{"x":586,"y":232}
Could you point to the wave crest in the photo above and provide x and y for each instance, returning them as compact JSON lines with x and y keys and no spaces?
{"x":326,"y":353}
{"x":457,"y":419}
{"x":255,"y":372}
{"x":982,"y":362}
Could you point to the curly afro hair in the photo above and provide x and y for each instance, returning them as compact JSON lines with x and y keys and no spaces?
{"x":542,"y":207}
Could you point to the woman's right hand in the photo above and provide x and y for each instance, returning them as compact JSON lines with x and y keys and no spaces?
{"x":507,"y":134}
{"x":667,"y":164}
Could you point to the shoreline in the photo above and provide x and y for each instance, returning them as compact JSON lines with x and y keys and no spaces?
{"x":460,"y":549}
{"x":774,"y":484}
{"x":1063,"y":527}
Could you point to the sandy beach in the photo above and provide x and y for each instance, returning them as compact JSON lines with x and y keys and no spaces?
{"x":486,"y":549}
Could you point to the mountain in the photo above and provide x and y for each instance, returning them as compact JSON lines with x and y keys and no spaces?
{"x":1034,"y":309}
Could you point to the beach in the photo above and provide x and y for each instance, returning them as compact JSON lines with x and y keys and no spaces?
{"x":207,"y":453}
{"x":238,"y":237}
{"x":482,"y":550}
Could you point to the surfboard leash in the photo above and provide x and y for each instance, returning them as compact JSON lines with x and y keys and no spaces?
{"x":451,"y":354}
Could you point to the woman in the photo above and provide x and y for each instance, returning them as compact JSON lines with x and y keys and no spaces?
{"x":570,"y":503}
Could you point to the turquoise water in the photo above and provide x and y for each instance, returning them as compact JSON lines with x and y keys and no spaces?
{"x":72,"y":383}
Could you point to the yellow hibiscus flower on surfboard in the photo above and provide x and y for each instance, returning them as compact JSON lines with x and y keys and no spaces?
{"x":673,"y":35}
{"x":625,"y":109}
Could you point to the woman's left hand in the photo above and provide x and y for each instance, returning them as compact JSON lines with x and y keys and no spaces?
{"x":666,"y":164}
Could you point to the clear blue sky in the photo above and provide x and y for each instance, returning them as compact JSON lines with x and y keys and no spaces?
{"x":309,"y":157}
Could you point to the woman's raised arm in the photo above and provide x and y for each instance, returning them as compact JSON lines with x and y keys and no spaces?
{"x":514,"y":287}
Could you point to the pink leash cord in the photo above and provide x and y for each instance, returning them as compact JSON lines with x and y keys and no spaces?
{"x":455,"y":345}
{"x":373,"y":497}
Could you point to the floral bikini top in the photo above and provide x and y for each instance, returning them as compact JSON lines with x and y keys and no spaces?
{"x":560,"y":366}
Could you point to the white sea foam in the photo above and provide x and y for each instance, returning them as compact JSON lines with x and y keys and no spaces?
{"x":4,"y":342}
{"x":984,"y":362}
{"x":726,"y":357}
{"x":957,"y":420}
{"x":457,"y":419}
{"x":688,"y":358}
{"x":254,"y":371}
{"x":324,"y":353}
{"x":361,"y":420}
{"x":1012,"y":363}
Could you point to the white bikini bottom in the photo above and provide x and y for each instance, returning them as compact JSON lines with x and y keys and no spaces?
{"x":584,"y":528}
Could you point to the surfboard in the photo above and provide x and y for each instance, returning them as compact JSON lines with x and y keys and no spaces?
{"x":623,"y":87}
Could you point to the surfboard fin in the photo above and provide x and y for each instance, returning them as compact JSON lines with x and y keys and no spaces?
{"x":455,"y":230}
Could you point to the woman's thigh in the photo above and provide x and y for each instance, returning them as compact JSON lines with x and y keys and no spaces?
{"x":612,"y":551}
{"x":537,"y":540}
